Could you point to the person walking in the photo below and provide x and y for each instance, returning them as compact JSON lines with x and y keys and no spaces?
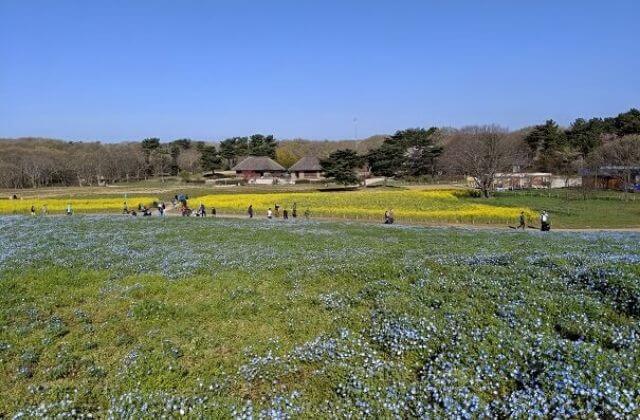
{"x":391,"y":218}
{"x":269,"y":214}
{"x":294,"y":210}
{"x":69,"y":210}
{"x":213,"y":211}
{"x":33,"y":210}
{"x":250,"y":211}
{"x":202,"y":211}
{"x":522,"y":221}
{"x":161,"y":210}
{"x":545,"y":223}
{"x":307,"y":214}
{"x":285,"y":214}
{"x":386,"y":217}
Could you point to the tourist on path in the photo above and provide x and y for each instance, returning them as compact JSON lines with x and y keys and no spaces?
{"x":213,"y":211}
{"x":269,"y":214}
{"x":69,"y":210}
{"x":523,"y":221}
{"x":285,"y":214}
{"x":33,"y":210}
{"x":294,"y":210}
{"x":250,"y":211}
{"x":202,"y":212}
{"x":545,"y":222}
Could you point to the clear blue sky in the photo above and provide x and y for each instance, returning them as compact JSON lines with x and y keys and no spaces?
{"x":125,"y":70}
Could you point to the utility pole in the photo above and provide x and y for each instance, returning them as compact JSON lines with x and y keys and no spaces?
{"x":355,"y":129}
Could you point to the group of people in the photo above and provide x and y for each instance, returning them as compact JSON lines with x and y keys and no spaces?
{"x":202,"y":211}
{"x":45,"y":210}
{"x":545,"y":221}
{"x":143,"y":210}
{"x":271,"y":214}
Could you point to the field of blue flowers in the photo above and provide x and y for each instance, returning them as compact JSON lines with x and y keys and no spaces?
{"x":124,"y":317}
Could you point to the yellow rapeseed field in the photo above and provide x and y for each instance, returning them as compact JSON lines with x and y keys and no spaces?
{"x":79,"y":205}
{"x":445,"y":206}
{"x":437,"y":206}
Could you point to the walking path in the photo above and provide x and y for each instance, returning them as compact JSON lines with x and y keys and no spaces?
{"x":412,"y":223}
{"x":172,"y":211}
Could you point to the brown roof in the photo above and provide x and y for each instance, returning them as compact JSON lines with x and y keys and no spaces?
{"x":307,"y":163}
{"x":258,"y":163}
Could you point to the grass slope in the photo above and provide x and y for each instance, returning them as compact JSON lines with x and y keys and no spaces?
{"x":569,"y":209}
{"x":129,"y":317}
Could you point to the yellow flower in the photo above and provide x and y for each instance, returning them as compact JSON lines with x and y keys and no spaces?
{"x":78,"y":205}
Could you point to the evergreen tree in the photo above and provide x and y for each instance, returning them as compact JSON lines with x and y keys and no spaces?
{"x":387,"y":159}
{"x":209,"y":158}
{"x":149,"y":146}
{"x":545,"y":141}
{"x":260,"y":145}
{"x":584,"y":136}
{"x":408,"y":152}
{"x":341,"y":166}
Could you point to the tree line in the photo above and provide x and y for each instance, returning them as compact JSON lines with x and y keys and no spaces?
{"x":482,"y":152}
{"x":414,"y":153}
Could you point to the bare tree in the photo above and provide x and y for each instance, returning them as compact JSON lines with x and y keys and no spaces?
{"x":481,"y":153}
{"x":161,"y":162}
{"x":189,"y":160}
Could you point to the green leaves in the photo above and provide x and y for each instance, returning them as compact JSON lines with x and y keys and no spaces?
{"x":341,"y":165}
{"x":411,"y":152}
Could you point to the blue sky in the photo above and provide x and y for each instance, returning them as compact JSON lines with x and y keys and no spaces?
{"x":125,"y":70}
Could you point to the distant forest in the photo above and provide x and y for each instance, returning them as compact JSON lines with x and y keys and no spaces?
{"x":413,"y":152}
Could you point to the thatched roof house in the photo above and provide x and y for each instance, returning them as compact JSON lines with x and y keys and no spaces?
{"x":307,"y":167}
{"x":257,"y":166}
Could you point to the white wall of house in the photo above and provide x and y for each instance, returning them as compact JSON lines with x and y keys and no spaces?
{"x":558,"y":181}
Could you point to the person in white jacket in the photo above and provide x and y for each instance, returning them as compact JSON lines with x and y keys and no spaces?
{"x":545,"y":224}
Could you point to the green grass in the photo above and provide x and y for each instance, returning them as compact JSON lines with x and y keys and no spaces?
{"x":569,"y":208}
{"x":131,"y":317}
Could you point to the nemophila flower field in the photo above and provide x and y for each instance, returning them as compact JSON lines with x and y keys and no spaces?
{"x":128,"y":317}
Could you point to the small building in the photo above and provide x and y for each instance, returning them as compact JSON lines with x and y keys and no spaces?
{"x":612,"y":177}
{"x":254,"y":167}
{"x":307,"y":167}
{"x":521,"y":180}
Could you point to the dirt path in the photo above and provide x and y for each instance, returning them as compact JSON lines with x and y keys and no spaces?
{"x":174,"y":213}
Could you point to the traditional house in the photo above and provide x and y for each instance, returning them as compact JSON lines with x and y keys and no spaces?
{"x":612,"y":177}
{"x":254,"y":167}
{"x":307,"y":167}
